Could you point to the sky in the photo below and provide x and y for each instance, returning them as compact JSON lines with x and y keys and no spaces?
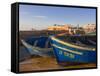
{"x":40,"y":17}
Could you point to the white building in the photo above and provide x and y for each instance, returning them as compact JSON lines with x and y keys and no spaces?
{"x":89,"y":28}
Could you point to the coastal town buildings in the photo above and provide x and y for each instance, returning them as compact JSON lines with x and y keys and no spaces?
{"x":60,"y":27}
{"x":68,"y":27}
{"x":89,"y":28}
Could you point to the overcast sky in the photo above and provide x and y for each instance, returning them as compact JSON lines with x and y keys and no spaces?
{"x":40,"y":17}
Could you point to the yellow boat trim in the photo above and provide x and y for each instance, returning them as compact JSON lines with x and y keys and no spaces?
{"x":74,"y":46}
{"x":79,"y":53}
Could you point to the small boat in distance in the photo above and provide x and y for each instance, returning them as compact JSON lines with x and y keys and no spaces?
{"x":74,"y":48}
{"x":38,"y":46}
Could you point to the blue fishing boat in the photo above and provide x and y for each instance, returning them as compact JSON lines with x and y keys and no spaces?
{"x":76,"y":48}
{"x":38,"y":46}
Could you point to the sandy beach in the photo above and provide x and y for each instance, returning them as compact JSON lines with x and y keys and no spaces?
{"x":47,"y":63}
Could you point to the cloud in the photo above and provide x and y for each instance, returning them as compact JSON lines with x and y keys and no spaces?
{"x":39,"y":16}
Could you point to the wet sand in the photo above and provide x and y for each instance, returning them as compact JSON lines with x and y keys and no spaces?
{"x":47,"y":63}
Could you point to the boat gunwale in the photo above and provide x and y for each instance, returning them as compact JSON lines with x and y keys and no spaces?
{"x":68,"y":50}
{"x":69,"y":44}
{"x":39,"y":48}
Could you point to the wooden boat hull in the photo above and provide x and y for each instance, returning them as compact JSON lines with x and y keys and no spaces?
{"x":69,"y":53}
